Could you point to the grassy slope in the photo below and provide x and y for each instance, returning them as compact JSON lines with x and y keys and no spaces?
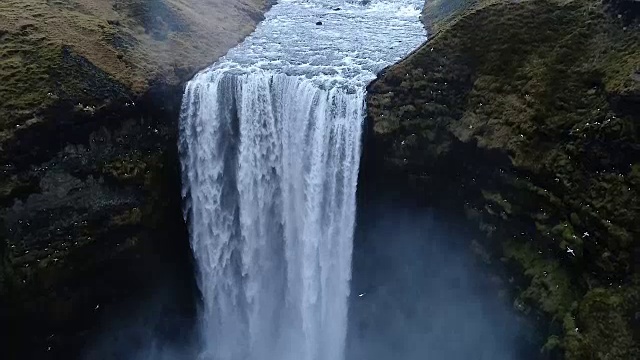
{"x":551,"y":86}
{"x":133,"y":42}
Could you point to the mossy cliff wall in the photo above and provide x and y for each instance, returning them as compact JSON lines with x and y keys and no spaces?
{"x":525,"y":116}
{"x":90,"y":213}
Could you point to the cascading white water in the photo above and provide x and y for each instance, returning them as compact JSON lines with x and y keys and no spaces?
{"x":270,"y":148}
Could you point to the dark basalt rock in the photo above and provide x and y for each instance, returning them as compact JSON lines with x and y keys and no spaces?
{"x":90,"y":211}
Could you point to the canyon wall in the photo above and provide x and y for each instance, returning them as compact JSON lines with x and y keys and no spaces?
{"x":90,"y":184}
{"x":524,"y":116}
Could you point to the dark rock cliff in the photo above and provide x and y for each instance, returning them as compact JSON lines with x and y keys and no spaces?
{"x":90,"y":217}
{"x":90,"y":214}
{"x":524,"y":116}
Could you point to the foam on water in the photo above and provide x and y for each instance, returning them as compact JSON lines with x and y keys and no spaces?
{"x":270,"y":149}
{"x":350,"y":47}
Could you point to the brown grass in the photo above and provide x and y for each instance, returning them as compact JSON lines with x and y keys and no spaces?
{"x":112,"y":34}
{"x":131,"y":42}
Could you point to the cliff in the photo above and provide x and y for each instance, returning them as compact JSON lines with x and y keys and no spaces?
{"x":89,"y":190}
{"x":523,"y":115}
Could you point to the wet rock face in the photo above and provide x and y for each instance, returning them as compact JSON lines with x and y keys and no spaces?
{"x":511,"y":114}
{"x":90,"y":216}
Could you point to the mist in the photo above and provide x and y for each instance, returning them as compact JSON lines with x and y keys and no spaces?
{"x":159,"y":325}
{"x":153,"y":329}
{"x":418,"y":293}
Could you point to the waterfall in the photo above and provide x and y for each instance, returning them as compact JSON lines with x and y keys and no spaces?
{"x":270,"y":148}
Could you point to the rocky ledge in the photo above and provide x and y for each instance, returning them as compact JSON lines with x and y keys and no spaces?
{"x":523,"y":115}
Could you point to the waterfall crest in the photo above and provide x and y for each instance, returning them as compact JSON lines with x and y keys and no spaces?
{"x":270,"y":194}
{"x":270,"y":149}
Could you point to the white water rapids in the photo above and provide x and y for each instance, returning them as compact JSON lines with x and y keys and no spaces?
{"x":270,"y":149}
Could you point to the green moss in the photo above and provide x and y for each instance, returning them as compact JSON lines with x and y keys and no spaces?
{"x":129,"y":217}
{"x":600,"y":330}
{"x":550,"y":287}
{"x":25,"y":85}
{"x":132,"y":169}
{"x":36,"y":73}
{"x":526,"y":112}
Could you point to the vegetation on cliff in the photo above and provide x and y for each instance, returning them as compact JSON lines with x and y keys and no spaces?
{"x":89,"y":185}
{"x":132,"y":42}
{"x":526,"y":114}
